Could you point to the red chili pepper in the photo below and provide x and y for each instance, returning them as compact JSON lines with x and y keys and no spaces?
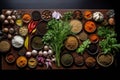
{"x":32,"y":25}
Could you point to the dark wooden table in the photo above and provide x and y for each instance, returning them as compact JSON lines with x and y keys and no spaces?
{"x":6,"y":66}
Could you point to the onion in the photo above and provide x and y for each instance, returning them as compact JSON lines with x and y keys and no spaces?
{"x":50,"y":52}
{"x":28,"y":54}
{"x":46,"y":47}
{"x":34,"y":52}
{"x":45,"y":53}
{"x":40,"y":53}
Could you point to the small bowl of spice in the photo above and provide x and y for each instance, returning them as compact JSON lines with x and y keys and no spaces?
{"x":90,"y":62}
{"x":77,"y":14}
{"x":90,"y":26}
{"x":10,"y":58}
{"x":71,"y":43}
{"x":26,"y":18}
{"x":46,"y":15}
{"x":94,"y":38}
{"x":88,"y":14}
{"x":67,"y":60}
{"x":93,"y":49}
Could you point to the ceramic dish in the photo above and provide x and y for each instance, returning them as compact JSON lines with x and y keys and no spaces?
{"x":46,"y":15}
{"x":36,"y":16}
{"x":10,"y":58}
{"x":42,"y":27}
{"x":36,"y":42}
{"x":94,"y":38}
{"x":105,"y":60}
{"x":23,"y":30}
{"x":32,"y":63}
{"x":77,"y":14}
{"x":93,"y":49}
{"x":88,"y":14}
{"x":90,"y":62}
{"x":22,"y":52}
{"x":71,"y":43}
{"x":67,"y":60}
{"x":17,"y":41}
{"x":83,"y":36}
{"x":26,"y":17}
{"x":76,"y":26}
{"x":21,"y":61}
{"x":4,"y":46}
{"x":79,"y":60}
{"x":90,"y":26}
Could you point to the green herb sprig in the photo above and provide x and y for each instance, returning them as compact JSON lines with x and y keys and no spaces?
{"x":83,"y":46}
{"x":58,"y":31}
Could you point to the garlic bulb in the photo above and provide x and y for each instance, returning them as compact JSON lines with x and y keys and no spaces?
{"x":34,"y":52}
{"x":56,"y":15}
{"x":98,"y":16}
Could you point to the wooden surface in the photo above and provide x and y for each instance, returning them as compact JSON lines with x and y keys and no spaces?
{"x":6,"y":66}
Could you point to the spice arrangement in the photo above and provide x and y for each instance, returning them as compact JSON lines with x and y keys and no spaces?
{"x":58,"y":39}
